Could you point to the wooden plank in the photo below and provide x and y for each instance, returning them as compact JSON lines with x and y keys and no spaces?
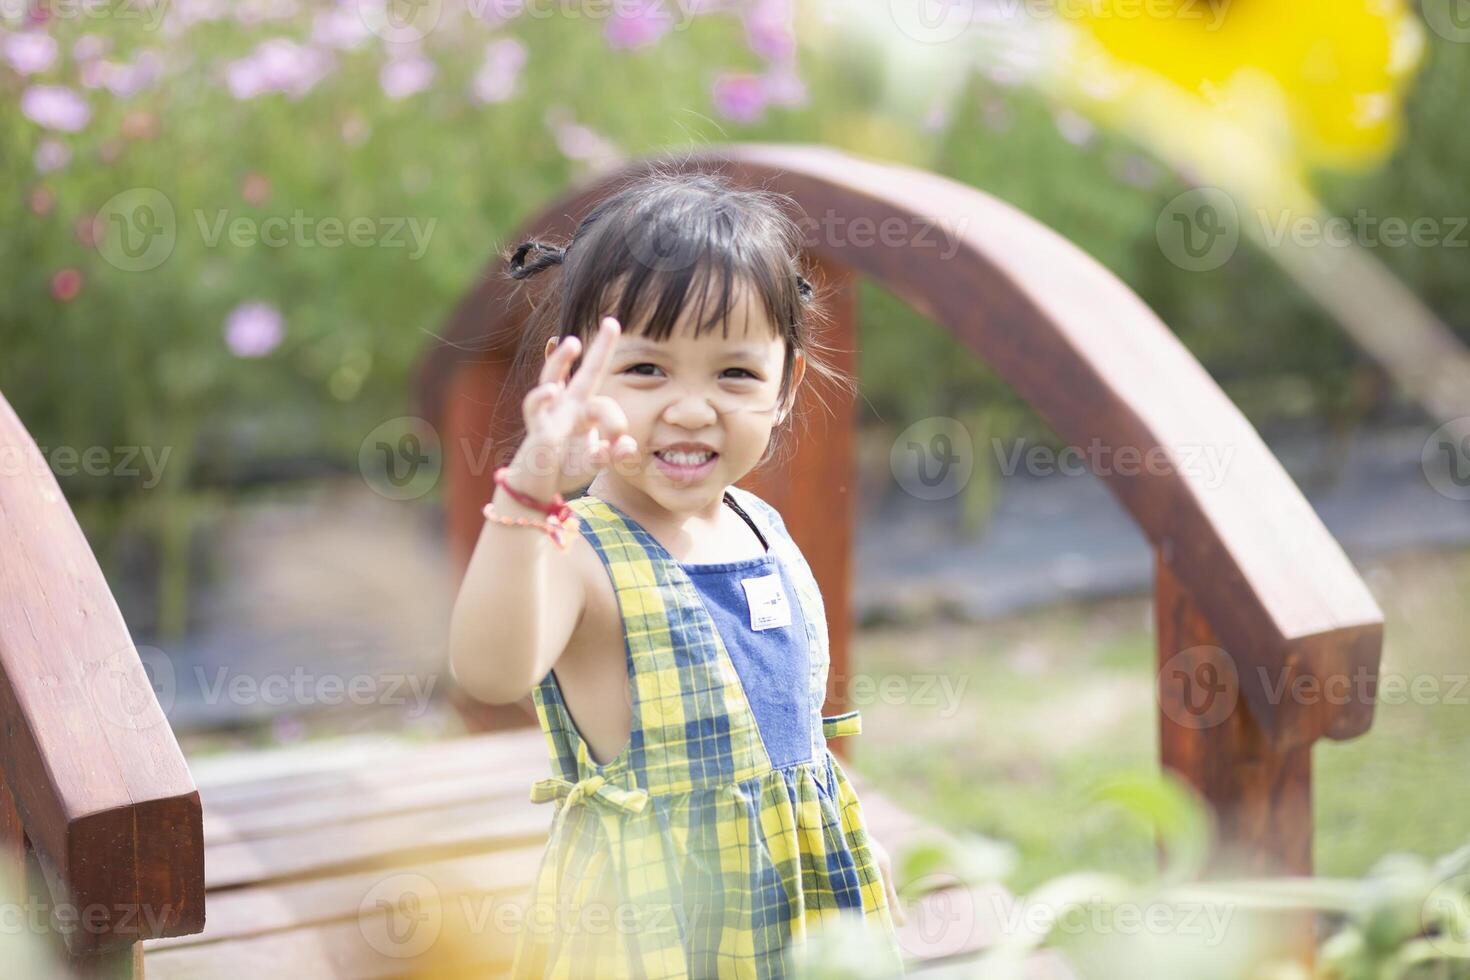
{"x":1045,"y":964}
{"x":375,"y":797}
{"x":95,"y":773}
{"x":244,"y":912}
{"x":438,"y":760}
{"x":475,"y":929}
{"x":457,"y":939}
{"x":396,"y":839}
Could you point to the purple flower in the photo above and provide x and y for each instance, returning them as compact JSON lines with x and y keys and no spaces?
{"x":741,"y":97}
{"x":127,"y":80}
{"x":256,"y":11}
{"x":89,"y":47}
{"x":254,"y":329}
{"x":30,"y":52}
{"x":494,"y":12}
{"x":51,"y":154}
{"x":768,"y":29}
{"x":342,"y":28}
{"x":1074,"y":128}
{"x":644,"y":24}
{"x":497,"y":77}
{"x":278,"y":65}
{"x":783,"y":86}
{"x":55,"y":107}
{"x":936,"y":119}
{"x":579,"y":142}
{"x":402,"y":77}
{"x":184,"y":14}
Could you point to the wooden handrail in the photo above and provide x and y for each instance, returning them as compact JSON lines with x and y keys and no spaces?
{"x":88,"y":760}
{"x":1245,"y":563}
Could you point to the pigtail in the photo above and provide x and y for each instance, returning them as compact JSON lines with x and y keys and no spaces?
{"x":547,"y":255}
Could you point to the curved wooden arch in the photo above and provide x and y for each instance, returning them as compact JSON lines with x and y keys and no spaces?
{"x":1245,"y":565}
{"x":94,"y":792}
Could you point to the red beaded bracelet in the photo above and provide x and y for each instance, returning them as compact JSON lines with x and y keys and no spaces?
{"x":552,"y":525}
{"x":556,"y":507}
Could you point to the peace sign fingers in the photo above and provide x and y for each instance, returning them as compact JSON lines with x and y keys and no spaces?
{"x":596,"y":365}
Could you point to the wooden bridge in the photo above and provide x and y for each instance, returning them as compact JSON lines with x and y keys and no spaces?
{"x":343,"y":867}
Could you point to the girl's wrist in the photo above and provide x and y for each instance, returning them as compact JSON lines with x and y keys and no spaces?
{"x":532,"y":482}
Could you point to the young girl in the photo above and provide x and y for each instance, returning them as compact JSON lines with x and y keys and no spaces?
{"x":668,"y":627}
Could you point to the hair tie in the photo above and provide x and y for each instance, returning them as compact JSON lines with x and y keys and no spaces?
{"x":553,"y":255}
{"x":804,"y":288}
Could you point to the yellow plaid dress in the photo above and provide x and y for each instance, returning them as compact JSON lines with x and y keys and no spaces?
{"x":689,"y":855}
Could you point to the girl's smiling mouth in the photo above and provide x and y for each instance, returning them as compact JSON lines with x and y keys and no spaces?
{"x":686,"y":462}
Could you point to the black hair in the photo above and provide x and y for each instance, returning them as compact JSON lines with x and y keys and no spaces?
{"x":665,"y":239}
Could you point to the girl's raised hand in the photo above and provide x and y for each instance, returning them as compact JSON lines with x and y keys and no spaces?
{"x":572,"y":431}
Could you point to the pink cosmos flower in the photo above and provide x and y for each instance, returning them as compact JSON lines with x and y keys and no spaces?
{"x":41,"y":199}
{"x":495,"y":12}
{"x":579,"y":142}
{"x":51,"y":154}
{"x":90,"y":47}
{"x":29,"y":52}
{"x":255,"y":189}
{"x":638,"y":27}
{"x":342,"y":28}
{"x":278,"y":65}
{"x":1074,"y":129}
{"x":768,"y":29}
{"x":741,"y":97}
{"x":254,"y":329}
{"x":55,"y":107}
{"x":126,"y":80}
{"x":783,"y":86}
{"x":402,"y":77}
{"x":496,"y":80}
{"x":66,"y":284}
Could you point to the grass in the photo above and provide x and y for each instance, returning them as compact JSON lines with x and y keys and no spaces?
{"x":1051,"y":702}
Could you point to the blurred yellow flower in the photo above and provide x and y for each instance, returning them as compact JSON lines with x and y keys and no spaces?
{"x":1320,"y":81}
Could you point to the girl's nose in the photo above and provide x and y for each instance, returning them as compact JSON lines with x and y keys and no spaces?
{"x":692,"y":410}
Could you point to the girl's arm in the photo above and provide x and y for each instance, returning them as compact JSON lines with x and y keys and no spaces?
{"x":522,"y":596}
{"x":519,"y":602}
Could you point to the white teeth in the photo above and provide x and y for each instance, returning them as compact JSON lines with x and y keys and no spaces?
{"x":685,"y":459}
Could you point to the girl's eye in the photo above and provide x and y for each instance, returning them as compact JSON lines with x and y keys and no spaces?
{"x":637,"y":369}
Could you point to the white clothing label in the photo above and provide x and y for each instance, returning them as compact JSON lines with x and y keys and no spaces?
{"x":767,"y":601}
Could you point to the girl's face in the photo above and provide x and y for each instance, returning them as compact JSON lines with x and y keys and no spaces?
{"x":702,"y":409}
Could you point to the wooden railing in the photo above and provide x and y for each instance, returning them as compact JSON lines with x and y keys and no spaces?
{"x":1253,"y":596}
{"x":100,"y":823}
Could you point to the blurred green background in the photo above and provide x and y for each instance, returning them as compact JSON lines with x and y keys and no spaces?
{"x":255,"y":365}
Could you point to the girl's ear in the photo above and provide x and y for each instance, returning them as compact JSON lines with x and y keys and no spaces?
{"x":798,"y":371}
{"x":550,"y":346}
